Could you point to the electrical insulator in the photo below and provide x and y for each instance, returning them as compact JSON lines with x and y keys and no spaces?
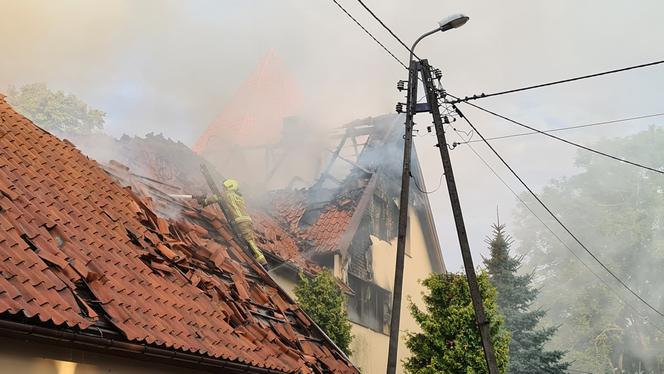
{"x":437,"y":73}
{"x":401,"y":85}
{"x":399,"y":108}
{"x":428,"y":128}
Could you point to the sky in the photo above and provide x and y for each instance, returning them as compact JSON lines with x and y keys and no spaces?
{"x":169,"y":66}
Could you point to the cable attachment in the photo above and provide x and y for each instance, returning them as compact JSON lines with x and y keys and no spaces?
{"x":458,"y":111}
{"x":401,"y":85}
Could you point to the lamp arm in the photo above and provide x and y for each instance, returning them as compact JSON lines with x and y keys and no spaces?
{"x":412,"y":49}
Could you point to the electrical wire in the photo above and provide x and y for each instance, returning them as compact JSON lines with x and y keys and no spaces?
{"x":564,"y":140}
{"x":483,"y":96}
{"x":621,"y":120}
{"x":386,"y":28}
{"x":536,"y":130}
{"x":576,"y":239}
{"x":440,"y":183}
{"x":516,"y":195}
{"x":368,"y":33}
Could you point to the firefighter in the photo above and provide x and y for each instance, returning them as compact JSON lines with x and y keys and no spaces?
{"x":234,"y":205}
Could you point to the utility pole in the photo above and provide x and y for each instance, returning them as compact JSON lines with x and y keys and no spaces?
{"x":482,"y":322}
{"x":411,"y":102}
{"x":412,"y":107}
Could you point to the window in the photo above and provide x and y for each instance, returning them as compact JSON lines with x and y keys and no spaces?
{"x":370,"y":306}
{"x":379,"y":217}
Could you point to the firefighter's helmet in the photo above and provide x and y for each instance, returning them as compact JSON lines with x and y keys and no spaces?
{"x":231,"y":184}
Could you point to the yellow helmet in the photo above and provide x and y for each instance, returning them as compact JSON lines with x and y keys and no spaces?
{"x":231,"y":184}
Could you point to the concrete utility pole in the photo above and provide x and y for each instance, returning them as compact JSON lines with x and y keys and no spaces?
{"x":432,"y":106}
{"x":411,"y":101}
{"x":478,"y":305}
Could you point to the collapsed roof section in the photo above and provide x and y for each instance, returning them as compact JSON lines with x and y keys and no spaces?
{"x":363,"y":169}
{"x":165,"y":165}
{"x":82,"y":254}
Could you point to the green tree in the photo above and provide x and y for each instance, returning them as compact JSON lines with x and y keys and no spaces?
{"x":322,"y":299}
{"x":515,"y":299}
{"x":450,"y":341}
{"x":617,"y":210}
{"x":55,"y":110}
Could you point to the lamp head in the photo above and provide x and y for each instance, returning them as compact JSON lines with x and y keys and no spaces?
{"x":453,"y":22}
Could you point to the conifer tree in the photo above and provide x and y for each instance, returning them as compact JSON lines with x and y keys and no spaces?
{"x":515,"y":298}
{"x":449,"y":341}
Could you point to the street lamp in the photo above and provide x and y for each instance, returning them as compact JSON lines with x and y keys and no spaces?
{"x":448,"y":23}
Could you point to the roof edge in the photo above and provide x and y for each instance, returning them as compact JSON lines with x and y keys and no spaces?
{"x":131,"y":350}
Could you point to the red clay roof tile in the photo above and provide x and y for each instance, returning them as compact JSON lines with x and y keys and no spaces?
{"x":177,"y":281}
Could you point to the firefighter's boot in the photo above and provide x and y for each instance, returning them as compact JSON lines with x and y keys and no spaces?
{"x":258,"y":254}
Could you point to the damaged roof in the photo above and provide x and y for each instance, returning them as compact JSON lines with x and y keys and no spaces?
{"x":163,"y":164}
{"x":328,"y":218}
{"x":79,"y":251}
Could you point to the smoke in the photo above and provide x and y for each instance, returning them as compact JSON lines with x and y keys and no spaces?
{"x":172,"y":67}
{"x":616,"y":211}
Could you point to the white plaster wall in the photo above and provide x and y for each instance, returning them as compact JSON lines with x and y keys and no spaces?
{"x":369,"y":347}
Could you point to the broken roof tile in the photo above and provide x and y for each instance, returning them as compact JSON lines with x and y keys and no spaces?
{"x":144,"y":285}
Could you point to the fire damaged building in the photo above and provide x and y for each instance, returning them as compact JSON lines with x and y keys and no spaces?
{"x":347,"y":222}
{"x":103,"y":271}
{"x":105,"y":259}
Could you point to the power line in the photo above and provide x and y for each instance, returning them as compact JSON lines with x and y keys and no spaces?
{"x":565,"y":140}
{"x":536,"y":131}
{"x":532,"y":193}
{"x":570,"y":127}
{"x":457,"y":100}
{"x":483,"y":96}
{"x":386,"y":27}
{"x":440,"y":183}
{"x":516,"y":195}
{"x":368,"y":33}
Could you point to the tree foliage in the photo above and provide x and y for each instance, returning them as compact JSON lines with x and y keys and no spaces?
{"x":450,"y":341}
{"x":617,"y":210}
{"x":53,"y":110}
{"x":322,"y":299}
{"x":515,"y":299}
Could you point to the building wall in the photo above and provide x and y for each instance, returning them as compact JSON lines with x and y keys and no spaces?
{"x":29,"y":357}
{"x":286,"y":278}
{"x":370,"y":348}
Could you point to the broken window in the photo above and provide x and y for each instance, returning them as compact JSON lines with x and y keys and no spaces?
{"x":385,"y":218}
{"x":370,"y":306}
{"x":380,"y":217}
